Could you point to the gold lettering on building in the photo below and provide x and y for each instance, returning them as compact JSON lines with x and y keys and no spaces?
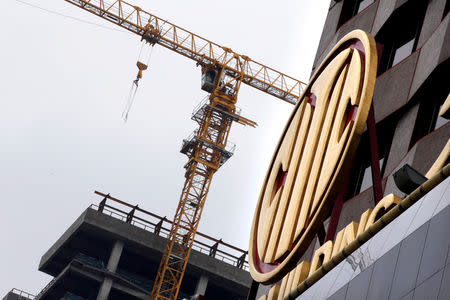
{"x":321,"y":256}
{"x":330,"y":249}
{"x":384,"y":205}
{"x":441,"y":161}
{"x":301,"y":272}
{"x":314,"y":154}
{"x":345,"y":237}
{"x":363,"y":221}
{"x":289,"y":282}
{"x":445,"y":108}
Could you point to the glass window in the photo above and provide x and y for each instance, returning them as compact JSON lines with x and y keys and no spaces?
{"x":432,"y":95}
{"x":400,"y":33}
{"x":361,"y":175}
{"x":363,"y":4}
{"x":446,"y":9}
{"x":350,"y":8}
{"x":440,"y":121}
{"x":366,"y":181}
{"x":403,"y":51}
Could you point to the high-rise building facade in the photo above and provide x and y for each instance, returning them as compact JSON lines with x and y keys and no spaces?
{"x":409,"y":257}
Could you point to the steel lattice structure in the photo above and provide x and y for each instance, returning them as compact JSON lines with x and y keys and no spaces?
{"x":195,"y":47}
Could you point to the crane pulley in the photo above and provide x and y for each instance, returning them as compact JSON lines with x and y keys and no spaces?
{"x":223,"y":71}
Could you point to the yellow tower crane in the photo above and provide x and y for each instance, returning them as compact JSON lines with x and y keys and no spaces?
{"x":223,"y":71}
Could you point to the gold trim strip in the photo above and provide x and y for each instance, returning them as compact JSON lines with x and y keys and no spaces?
{"x":371,"y":231}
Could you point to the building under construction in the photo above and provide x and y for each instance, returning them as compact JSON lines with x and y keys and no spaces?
{"x":113,"y":249}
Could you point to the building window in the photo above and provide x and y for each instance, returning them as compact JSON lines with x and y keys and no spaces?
{"x":363,"y":4}
{"x":436,"y":120}
{"x":400,"y":33}
{"x":446,"y":9}
{"x":361,"y":177}
{"x":403,"y":51}
{"x":428,"y":119}
{"x":366,"y":180}
{"x":365,"y":177}
{"x":430,"y":98}
{"x":440,"y":121}
{"x":350,"y":8}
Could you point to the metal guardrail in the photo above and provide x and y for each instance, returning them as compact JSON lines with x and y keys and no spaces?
{"x":22,"y":294}
{"x":44,"y":290}
{"x":158,"y":225}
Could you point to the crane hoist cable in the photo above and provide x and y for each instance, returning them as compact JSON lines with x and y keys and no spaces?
{"x":145,"y":53}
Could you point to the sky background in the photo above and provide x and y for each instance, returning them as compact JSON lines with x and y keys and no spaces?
{"x":64,"y":85}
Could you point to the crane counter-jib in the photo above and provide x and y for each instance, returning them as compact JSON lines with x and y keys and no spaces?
{"x":201,"y":50}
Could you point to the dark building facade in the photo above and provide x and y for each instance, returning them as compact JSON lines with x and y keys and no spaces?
{"x":113,"y":250}
{"x":408,"y":259}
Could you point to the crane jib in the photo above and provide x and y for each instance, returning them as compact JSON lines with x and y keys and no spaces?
{"x":196,"y":48}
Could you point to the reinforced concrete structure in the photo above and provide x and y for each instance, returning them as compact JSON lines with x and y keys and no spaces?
{"x":112,"y":251}
{"x":409,"y":258}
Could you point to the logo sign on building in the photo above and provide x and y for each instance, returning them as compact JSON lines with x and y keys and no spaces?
{"x":314,"y":154}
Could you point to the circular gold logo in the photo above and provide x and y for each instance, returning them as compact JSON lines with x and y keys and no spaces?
{"x":314,"y":153}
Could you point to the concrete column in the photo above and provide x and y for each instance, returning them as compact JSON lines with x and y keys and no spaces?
{"x":202,"y":283}
{"x":114,"y":257}
{"x":113,"y":262}
{"x":105,"y":288}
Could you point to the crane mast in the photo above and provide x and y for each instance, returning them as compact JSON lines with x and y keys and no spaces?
{"x":207,"y":150}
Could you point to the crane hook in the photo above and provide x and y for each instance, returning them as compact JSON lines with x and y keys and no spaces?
{"x":144,"y":55}
{"x":142,"y":67}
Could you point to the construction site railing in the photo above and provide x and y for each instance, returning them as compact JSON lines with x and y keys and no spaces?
{"x":161,"y":227}
{"x":22,"y":294}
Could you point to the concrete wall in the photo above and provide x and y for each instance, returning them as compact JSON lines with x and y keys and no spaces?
{"x":141,"y":248}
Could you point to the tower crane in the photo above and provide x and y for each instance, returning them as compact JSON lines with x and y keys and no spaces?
{"x":223,"y":71}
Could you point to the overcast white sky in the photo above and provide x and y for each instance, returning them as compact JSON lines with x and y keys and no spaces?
{"x":63,"y":87}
